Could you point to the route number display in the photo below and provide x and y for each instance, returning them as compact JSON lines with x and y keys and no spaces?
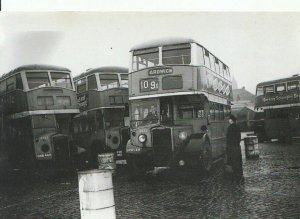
{"x":149,"y":84}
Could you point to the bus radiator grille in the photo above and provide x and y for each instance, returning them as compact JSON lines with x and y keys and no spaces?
{"x":162,"y":147}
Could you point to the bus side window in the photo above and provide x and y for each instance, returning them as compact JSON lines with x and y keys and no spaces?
{"x":200,"y":55}
{"x":280,"y":88}
{"x":200,"y":113}
{"x":222,"y":112}
{"x":2,"y":87}
{"x":217,"y":64}
{"x":11,"y":83}
{"x":212,"y":111}
{"x":212,"y":62}
{"x":206,"y":58}
{"x":217,"y":111}
{"x":92,"y":83}
{"x":81,"y":85}
{"x":19,"y":83}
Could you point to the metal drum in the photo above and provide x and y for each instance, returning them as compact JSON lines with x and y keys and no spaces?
{"x":96,"y":194}
{"x":107,"y":161}
{"x":251,"y":147}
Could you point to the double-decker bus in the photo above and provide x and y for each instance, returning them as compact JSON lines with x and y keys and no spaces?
{"x":179,"y":97}
{"x":37,"y":103}
{"x":280,"y":102}
{"x":103,"y":123}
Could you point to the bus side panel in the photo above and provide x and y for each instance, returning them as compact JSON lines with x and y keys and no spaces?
{"x":15,"y":102}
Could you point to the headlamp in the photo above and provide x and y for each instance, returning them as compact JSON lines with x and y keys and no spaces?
{"x":182,"y":135}
{"x":142,"y":138}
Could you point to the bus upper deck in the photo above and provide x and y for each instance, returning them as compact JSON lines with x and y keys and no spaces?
{"x":160,"y":68}
{"x":102,"y":87}
{"x":278,"y":93}
{"x":37,"y":89}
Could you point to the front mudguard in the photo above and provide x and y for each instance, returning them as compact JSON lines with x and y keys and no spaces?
{"x":195,"y":143}
{"x":192,"y":151}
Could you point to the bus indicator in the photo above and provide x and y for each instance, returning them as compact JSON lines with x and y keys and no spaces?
{"x":149,"y":84}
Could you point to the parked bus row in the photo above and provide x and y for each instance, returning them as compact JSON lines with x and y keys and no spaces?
{"x":169,"y":109}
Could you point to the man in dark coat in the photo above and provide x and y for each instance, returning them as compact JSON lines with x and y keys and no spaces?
{"x":233,"y":150}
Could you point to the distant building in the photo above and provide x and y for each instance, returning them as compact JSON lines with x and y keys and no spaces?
{"x":243,"y":107}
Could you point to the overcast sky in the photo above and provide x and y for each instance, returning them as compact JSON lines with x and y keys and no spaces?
{"x":255,"y":46}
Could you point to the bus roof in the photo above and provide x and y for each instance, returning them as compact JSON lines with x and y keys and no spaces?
{"x":281,"y":80}
{"x":163,"y":42}
{"x":106,"y":69}
{"x":34,"y":67}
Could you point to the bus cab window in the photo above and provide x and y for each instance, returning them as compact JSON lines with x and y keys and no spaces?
{"x":166,"y":113}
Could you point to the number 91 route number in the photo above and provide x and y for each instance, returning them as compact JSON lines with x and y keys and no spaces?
{"x":149,"y":84}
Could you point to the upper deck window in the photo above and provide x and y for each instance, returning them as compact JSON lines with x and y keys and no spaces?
{"x":206,"y":58}
{"x":108,"y":81}
{"x":60,"y":79}
{"x":259,"y":91}
{"x":81,"y":85}
{"x":37,"y":79}
{"x":280,"y":88}
{"x":92,"y":82}
{"x":293,"y":85}
{"x":124,"y":80}
{"x":2,"y":87}
{"x":217,"y":64}
{"x":176,"y":54}
{"x":145,"y":58}
{"x":11,"y":83}
{"x":269,"y":89}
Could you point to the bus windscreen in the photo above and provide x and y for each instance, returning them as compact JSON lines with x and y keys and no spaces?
{"x":37,"y":79}
{"x":60,"y":79}
{"x":144,"y":112}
